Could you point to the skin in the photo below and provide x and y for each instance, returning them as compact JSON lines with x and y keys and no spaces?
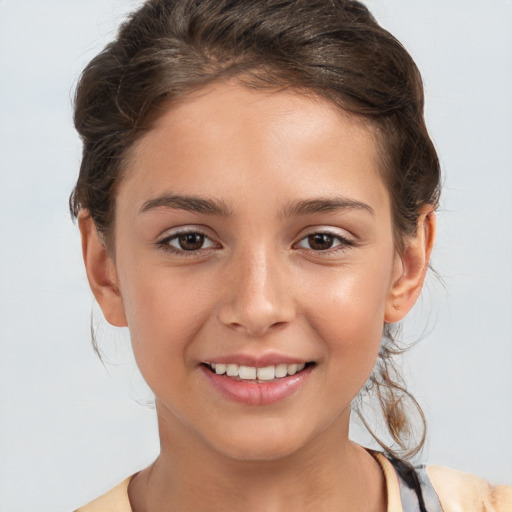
{"x":257,"y":286}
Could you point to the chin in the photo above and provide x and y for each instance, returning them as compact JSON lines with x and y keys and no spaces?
{"x":268,"y":443}
{"x":259,"y":452}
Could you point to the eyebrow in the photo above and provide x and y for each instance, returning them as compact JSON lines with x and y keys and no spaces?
{"x":325,"y":205}
{"x":217,"y":207}
{"x":188,"y":203}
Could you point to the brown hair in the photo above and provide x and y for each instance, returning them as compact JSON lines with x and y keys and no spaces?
{"x":332,"y":48}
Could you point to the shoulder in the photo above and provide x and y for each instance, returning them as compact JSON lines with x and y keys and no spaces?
{"x":115,"y":500}
{"x":463,"y":492}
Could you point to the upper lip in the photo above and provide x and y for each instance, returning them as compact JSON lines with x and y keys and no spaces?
{"x":257,"y":361}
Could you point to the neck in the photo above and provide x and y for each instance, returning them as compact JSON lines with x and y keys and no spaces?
{"x":329,"y":473}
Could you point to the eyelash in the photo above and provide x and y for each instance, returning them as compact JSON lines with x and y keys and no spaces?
{"x":164,"y":244}
{"x":342,"y":245}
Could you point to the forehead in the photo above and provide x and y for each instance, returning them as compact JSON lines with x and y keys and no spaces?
{"x":227,"y":137}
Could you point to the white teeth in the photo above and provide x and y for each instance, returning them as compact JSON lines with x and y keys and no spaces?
{"x":267,"y":373}
{"x":252,"y":373}
{"x":220,"y":369}
{"x":232,"y":370}
{"x":247,"y":372}
{"x":292,"y":369}
{"x":281,"y":370}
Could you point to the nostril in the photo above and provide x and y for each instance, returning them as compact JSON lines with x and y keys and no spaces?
{"x":252,"y":324}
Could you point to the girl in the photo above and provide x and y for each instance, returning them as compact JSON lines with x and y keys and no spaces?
{"x":256,"y":203}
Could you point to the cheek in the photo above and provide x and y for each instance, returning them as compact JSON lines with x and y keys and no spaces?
{"x":347,"y":313}
{"x":164,"y":313}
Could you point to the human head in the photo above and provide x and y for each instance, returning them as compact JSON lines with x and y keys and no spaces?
{"x":332,"y":48}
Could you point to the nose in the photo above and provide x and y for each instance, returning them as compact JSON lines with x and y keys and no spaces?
{"x":258,"y":295}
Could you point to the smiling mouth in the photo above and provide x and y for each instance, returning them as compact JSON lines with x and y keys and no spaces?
{"x":254,"y":374}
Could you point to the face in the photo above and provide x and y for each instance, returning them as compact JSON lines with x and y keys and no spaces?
{"x":254,"y":265}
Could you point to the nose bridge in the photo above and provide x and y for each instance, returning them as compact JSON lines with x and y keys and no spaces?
{"x":260,"y":281}
{"x":257,"y":297}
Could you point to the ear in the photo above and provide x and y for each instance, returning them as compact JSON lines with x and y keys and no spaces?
{"x":411,"y":269}
{"x":101,"y":272}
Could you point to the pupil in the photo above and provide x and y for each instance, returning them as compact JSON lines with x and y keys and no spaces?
{"x":191,"y":241}
{"x":321,"y":241}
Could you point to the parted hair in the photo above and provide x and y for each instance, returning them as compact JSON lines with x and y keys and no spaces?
{"x":333,"y":49}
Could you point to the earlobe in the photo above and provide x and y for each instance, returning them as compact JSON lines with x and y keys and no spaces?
{"x":101,"y":272}
{"x":412,"y":266}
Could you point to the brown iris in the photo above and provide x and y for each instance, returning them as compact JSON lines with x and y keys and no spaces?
{"x":320,"y":241}
{"x":191,"y":241}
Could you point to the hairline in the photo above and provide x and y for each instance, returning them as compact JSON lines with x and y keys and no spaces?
{"x":368,"y":123}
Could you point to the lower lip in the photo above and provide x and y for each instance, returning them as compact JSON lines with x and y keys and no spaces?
{"x":257,"y":393}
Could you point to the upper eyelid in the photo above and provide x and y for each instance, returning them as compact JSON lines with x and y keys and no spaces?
{"x":164,"y":243}
{"x":346,"y":240}
{"x":183,"y":230}
{"x":173,"y":233}
{"x":337,"y":232}
{"x":342,"y":239}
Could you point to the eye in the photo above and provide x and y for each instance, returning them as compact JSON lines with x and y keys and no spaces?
{"x":187,"y":241}
{"x":323,"y":242}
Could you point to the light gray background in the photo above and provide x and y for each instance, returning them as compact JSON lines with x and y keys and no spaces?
{"x":70,"y":429}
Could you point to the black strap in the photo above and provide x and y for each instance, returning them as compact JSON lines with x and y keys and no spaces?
{"x":408,"y":474}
